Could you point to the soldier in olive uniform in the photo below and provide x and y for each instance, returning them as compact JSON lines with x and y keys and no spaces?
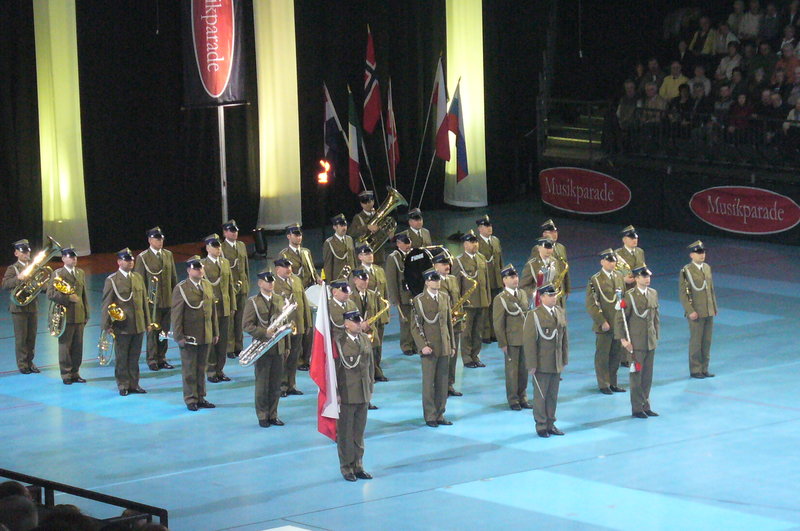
{"x":377,"y":283}
{"x":419,"y":235}
{"x":433,"y":334}
{"x":354,"y":384}
{"x":471,"y":266}
{"x":338,"y":251}
{"x":540,"y":270}
{"x":236,"y":254}
{"x":396,"y":286}
{"x":70,"y":343}
{"x":157,"y":264}
{"x":639,"y":320}
{"x":126,"y":289}
{"x":290,"y":287}
{"x":631,"y":253}
{"x":303,"y":267}
{"x":24,"y":317}
{"x":696,"y":292}
{"x":449,"y":286}
{"x":259,"y":313}
{"x":338,"y":305}
{"x":546,"y":347}
{"x":601,"y":298}
{"x":510,"y":307}
{"x":489,"y":247}
{"x":195,"y":328}
{"x":217,"y":271}
{"x":549,"y":230}
{"x":362,"y":225}
{"x":368,"y":304}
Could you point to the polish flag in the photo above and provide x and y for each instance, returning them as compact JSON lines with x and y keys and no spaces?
{"x":442,"y":123}
{"x":323,"y":369}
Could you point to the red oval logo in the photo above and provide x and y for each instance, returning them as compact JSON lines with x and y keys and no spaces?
{"x":582,"y":191}
{"x":213,"y":34}
{"x":745,"y":210}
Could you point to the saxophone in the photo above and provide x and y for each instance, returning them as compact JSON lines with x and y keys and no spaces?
{"x":558,"y":282}
{"x":105,"y":346}
{"x":377,"y":316}
{"x":278,"y":329}
{"x":457,"y":313}
{"x":57,"y":314}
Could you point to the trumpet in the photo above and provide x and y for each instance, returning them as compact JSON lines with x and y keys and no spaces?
{"x":278,"y":330}
{"x":105,"y":346}
{"x":57,"y":314}
{"x":36,"y":275}
{"x":152,"y":300}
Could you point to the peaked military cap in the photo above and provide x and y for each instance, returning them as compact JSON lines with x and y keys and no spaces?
{"x":697,"y":247}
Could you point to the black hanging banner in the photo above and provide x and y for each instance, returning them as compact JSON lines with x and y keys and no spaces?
{"x":213,"y":70}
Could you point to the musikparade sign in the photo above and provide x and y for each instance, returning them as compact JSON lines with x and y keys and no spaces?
{"x":582,"y":191}
{"x":213,"y":69}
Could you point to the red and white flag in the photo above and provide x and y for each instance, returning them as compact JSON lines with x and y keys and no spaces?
{"x":323,"y":369}
{"x":353,"y":142}
{"x":442,"y":123}
{"x":372,"y":90}
{"x":391,"y":139}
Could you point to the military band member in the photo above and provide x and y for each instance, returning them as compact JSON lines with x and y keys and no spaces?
{"x":368,"y":304}
{"x":361,"y":227}
{"x":259,"y":313}
{"x":126,"y":289}
{"x":302,"y":266}
{"x":377,"y":283}
{"x":696,"y":292}
{"x":509,"y":309}
{"x":546,"y":347}
{"x":70,"y":344}
{"x":419,"y":235}
{"x":540,"y":270}
{"x":338,"y":251}
{"x":354,"y":384}
{"x":449,"y":286}
{"x":195,"y":328}
{"x":631,"y":253}
{"x":290,"y":288}
{"x":489,"y":247}
{"x":641,"y":314}
{"x":217,"y":271}
{"x":433,"y":334}
{"x":24,"y":317}
{"x":601,"y":298}
{"x":549,"y":230}
{"x":338,"y":305}
{"x":157,"y":262}
{"x":396,"y":287}
{"x":471,"y":266}
{"x":236,"y":253}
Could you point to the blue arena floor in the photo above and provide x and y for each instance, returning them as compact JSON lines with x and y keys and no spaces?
{"x":722,"y":455}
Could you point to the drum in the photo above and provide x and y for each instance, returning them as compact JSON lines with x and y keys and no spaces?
{"x":418,"y":261}
{"x":313,"y":294}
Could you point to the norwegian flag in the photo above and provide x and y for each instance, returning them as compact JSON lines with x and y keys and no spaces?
{"x":391,"y":134}
{"x":372,"y":90}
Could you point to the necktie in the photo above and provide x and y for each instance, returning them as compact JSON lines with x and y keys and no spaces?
{"x":515,"y":294}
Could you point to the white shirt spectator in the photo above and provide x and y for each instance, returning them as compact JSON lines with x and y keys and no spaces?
{"x":727,"y":65}
{"x":750,"y":25}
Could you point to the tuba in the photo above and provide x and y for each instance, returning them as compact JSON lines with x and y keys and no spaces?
{"x":36,"y":275}
{"x":57,"y":314}
{"x":386,"y":224}
{"x":278,"y":330}
{"x":105,"y":346}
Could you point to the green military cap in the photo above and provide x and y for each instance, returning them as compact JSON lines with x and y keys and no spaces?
{"x":339,"y":219}
{"x":155,"y":232}
{"x":415,"y":213}
{"x":508,"y":271}
{"x":629,"y":231}
{"x":22,"y":245}
{"x":125,"y":254}
{"x":212,"y":240}
{"x":485,"y":221}
{"x":401,"y":236}
{"x":549,"y":225}
{"x":469,"y":236}
{"x":609,"y":255}
{"x":342,"y":284}
{"x":194,"y":262}
{"x":431,"y":274}
{"x":230,"y":225}
{"x":547,"y":243}
{"x":266,"y":275}
{"x":697,"y":247}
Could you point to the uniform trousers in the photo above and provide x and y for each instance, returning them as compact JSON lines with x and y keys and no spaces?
{"x":127,"y":348}
{"x":641,"y":381}
{"x":607,"y":355}
{"x":269,"y":369}
{"x":434,"y":386}
{"x":350,"y":436}
{"x":193,"y":368}
{"x":218,"y":354}
{"x":156,"y":348}
{"x":473,"y":332}
{"x":25,"y":324}
{"x":545,"y":399}
{"x":516,"y":376}
{"x":700,"y":332}
{"x":70,"y":350}
{"x":289,"y":379}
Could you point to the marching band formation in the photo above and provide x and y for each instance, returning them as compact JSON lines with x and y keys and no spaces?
{"x":446,"y":306}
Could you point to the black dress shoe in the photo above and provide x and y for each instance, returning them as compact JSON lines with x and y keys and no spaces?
{"x":453,"y":392}
{"x":213,"y":379}
{"x":372,"y":406}
{"x":264,"y":423}
{"x":698,"y":375}
{"x":303,"y":367}
{"x":349,"y":476}
{"x":706,"y":374}
{"x":224,"y":378}
{"x":137,"y":390}
{"x":165,"y":365}
{"x":432,"y":424}
{"x":231,"y":355}
{"x":67,"y":382}
{"x":624,"y":364}
{"x":480,"y":364}
{"x":284,"y":394}
{"x":381,"y":379}
{"x":444,"y":422}
{"x":276,"y":422}
{"x":205,"y":404}
{"x":408,"y":352}
{"x":617,"y":389}
{"x":542,"y":433}
{"x":515,"y":407}
{"x":191,"y":407}
{"x":525,"y":405}
{"x":363,"y":475}
{"x":650,"y":413}
{"x":606,"y":391}
{"x":152,"y":366}
{"x":640,"y":415}
{"x":471,"y":365}
{"x":78,"y":379}
{"x":294,"y":391}
{"x":123,"y":392}
{"x":486,"y":341}
{"x":555,"y":431}
{"x":25,"y":370}
{"x":34,"y":369}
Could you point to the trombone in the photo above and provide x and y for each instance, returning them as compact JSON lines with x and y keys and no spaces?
{"x":152,"y":300}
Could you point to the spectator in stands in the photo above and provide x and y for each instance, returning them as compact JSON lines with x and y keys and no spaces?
{"x":787,"y":62}
{"x":789,"y":38}
{"x":735,"y":18}
{"x":791,"y":127}
{"x":701,"y":112}
{"x":722,"y":105}
{"x":638,"y":74}
{"x":779,"y":84}
{"x":724,"y":37}
{"x":703,"y":41}
{"x":700,"y":77}
{"x":626,"y":115}
{"x":792,"y":16}
{"x":653,"y":75}
{"x":737,"y":84}
{"x":684,"y":56}
{"x":680,"y":112}
{"x":13,"y":488}
{"x":651,"y":112}
{"x":728,"y":63}
{"x":757,"y":84}
{"x":748,"y":55}
{"x":771,"y":25}
{"x":18,"y":513}
{"x":793,"y":94}
{"x":764,"y":105}
{"x":765,"y":60}
{"x":671,"y":83}
{"x":776,"y":113}
{"x":739,"y":120}
{"x":750,"y":25}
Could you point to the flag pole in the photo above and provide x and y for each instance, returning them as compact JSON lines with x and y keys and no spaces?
{"x":433,"y":157}
{"x":223,"y":171}
{"x":371,"y":177}
{"x":386,"y":151}
{"x":422,"y":141}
